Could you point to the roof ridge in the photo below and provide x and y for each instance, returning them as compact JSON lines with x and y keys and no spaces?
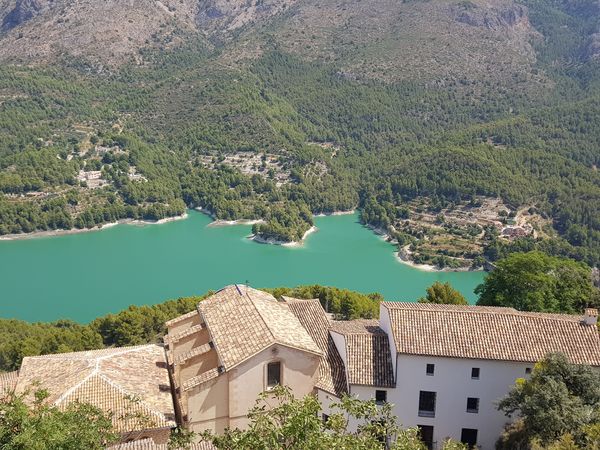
{"x":127,"y":393}
{"x":117,"y":352}
{"x":548,"y":316}
{"x":504,"y":310}
{"x":126,"y":350}
{"x":77,"y":385}
{"x":299,"y":300}
{"x":261,"y":316}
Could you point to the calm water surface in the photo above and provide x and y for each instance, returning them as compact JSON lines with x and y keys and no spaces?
{"x":86,"y":275}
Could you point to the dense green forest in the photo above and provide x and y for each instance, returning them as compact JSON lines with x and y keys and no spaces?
{"x":341,"y":142}
{"x":143,"y":324}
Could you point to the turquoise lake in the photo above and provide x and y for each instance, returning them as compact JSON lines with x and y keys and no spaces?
{"x":82,"y":276}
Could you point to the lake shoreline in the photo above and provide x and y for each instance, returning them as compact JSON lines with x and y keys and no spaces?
{"x":56,"y":233}
{"x":403,"y":256}
{"x":267,"y":241}
{"x":93,"y":274}
{"x":337,"y":213}
{"x":139,"y":222}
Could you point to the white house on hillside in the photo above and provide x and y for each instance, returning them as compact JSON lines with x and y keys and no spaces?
{"x":443,"y":367}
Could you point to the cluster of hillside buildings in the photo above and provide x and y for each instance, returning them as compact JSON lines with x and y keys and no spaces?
{"x":443,"y":367}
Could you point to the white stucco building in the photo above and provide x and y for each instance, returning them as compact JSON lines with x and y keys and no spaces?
{"x":451,"y":364}
{"x":443,"y":367}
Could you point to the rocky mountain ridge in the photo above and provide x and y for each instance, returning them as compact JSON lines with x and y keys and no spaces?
{"x":377,"y":38}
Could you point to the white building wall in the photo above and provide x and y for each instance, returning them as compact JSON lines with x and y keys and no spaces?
{"x":340,"y":343}
{"x":326,"y":399}
{"x":453,"y":384}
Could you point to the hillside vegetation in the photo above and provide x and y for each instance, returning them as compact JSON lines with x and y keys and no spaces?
{"x":366,"y":104}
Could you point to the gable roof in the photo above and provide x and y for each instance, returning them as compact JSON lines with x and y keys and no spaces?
{"x":126,"y":381}
{"x":312,"y":316}
{"x":243,"y":321}
{"x":490,"y":333}
{"x":368,"y":354}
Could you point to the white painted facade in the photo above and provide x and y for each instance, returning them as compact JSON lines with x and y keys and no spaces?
{"x":453,"y":385}
{"x":224,"y":401}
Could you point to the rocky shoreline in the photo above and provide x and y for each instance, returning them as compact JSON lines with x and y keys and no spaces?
{"x":225,"y":223}
{"x":261,"y":240}
{"x":337,"y":213}
{"x":403,"y":255}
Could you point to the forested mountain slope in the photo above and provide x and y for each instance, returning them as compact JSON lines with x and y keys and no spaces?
{"x":279,"y":109}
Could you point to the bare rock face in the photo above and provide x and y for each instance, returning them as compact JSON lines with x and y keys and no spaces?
{"x":223,"y":16}
{"x":494,"y":18}
{"x":23,"y":11}
{"x":103,"y":32}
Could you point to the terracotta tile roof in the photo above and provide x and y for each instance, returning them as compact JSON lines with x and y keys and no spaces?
{"x":243,"y":321}
{"x":437,"y":307}
{"x":8,"y":382}
{"x":173,"y":338}
{"x":200,"y":350}
{"x":149,"y":444}
{"x":312,"y":316}
{"x":369,"y":360}
{"x":200,"y":379}
{"x":490,"y":333}
{"x":124,"y":381}
{"x":181,"y":318}
{"x":368,"y":354}
{"x":358,"y":326}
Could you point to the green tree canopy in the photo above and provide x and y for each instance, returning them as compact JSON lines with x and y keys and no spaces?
{"x":443,"y":294}
{"x":296,"y":424}
{"x":45,"y":427}
{"x":560,"y":398}
{"x":534,"y":281}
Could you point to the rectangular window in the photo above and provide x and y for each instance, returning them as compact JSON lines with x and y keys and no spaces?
{"x":475,"y":373}
{"x":273,"y":374}
{"x":325,"y":418}
{"x":427,"y":404}
{"x":469,"y":436}
{"x":528,"y":370}
{"x":430,"y":369}
{"x":472,"y":405}
{"x":380,"y":397}
{"x":426,"y":433}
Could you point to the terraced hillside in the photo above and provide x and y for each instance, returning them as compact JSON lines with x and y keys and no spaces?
{"x":138,"y":109}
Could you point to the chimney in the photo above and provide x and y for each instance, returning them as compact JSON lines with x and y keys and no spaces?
{"x":590,"y":316}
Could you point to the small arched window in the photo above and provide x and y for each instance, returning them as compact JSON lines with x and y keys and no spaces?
{"x":273,"y":374}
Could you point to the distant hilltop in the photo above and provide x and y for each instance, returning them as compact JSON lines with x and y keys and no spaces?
{"x":465,"y":36}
